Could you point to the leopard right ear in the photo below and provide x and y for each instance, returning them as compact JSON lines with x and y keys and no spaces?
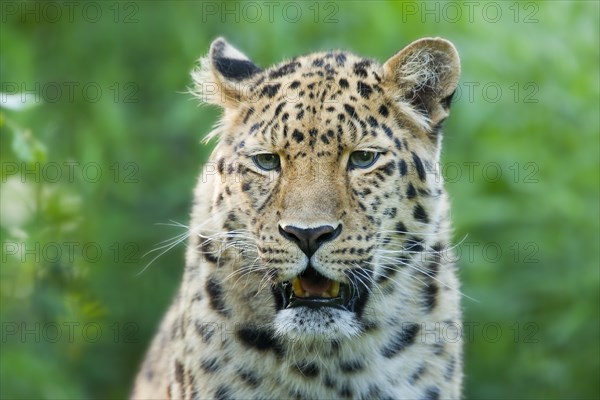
{"x":223,"y":76}
{"x":425,"y":74}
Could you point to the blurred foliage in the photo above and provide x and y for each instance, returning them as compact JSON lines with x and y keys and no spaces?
{"x":97,"y":96}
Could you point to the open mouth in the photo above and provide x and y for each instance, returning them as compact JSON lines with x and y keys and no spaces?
{"x":311,"y":289}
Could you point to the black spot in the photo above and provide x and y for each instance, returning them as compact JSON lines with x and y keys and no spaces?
{"x":259,"y":339}
{"x":410,"y":191}
{"x":397,"y":143}
{"x":401,"y":340}
{"x":222,"y":393}
{"x":387,"y":131}
{"x":359,"y":69}
{"x":350,"y":110}
{"x":364,"y":89}
{"x":298,"y":136}
{"x":340,"y":59}
{"x":372,"y":121}
{"x":420,"y":214}
{"x":450,"y":367}
{"x":300,"y":115}
{"x":383,"y":110}
{"x":178,"y":371}
{"x":417,"y":374}
{"x":388,"y":168}
{"x":373,"y":393}
{"x":324,"y":139}
{"x":210,"y":365}
{"x":344,"y":83}
{"x":433,"y":268}
{"x":245,"y":186}
{"x":208,"y":253}
{"x":415,"y":244}
{"x":254,"y":127}
{"x":430,"y":292}
{"x":249,"y":378}
{"x":363,"y":297}
{"x":346,"y":391}
{"x":318,"y":62}
{"x":205,"y":330}
{"x":279,"y":108}
{"x":248,"y":114}
{"x":402,"y":167}
{"x":270,"y":90}
{"x":431,"y":393}
{"x":278,"y":298}
{"x":221,"y":165}
{"x":216,"y":296}
{"x":329,"y":382}
{"x":418,"y":166}
{"x":307,"y":369}
{"x":284,"y":70}
{"x":351,"y":366}
{"x":390,"y":213}
{"x":439,"y":348}
{"x":295,"y":84}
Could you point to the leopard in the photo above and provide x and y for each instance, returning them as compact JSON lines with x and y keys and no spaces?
{"x":318,"y":260}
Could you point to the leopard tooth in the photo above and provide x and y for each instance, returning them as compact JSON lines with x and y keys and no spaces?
{"x":334,"y":290}
{"x":297,"y":286}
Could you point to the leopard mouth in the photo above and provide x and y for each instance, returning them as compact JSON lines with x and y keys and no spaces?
{"x":312,"y":289}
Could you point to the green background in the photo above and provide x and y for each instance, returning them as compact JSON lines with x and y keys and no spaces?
{"x":521,"y":150}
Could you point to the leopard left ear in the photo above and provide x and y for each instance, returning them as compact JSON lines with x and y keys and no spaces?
{"x":425,"y":74}
{"x":224,"y":75}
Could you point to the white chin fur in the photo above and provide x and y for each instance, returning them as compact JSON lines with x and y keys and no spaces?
{"x":305,"y":324}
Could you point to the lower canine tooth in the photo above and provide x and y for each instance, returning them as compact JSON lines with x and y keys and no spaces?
{"x":334,"y":290}
{"x":298,"y":291}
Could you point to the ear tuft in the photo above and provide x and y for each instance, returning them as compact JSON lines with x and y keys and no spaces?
{"x":223,"y":75}
{"x":425,"y":74}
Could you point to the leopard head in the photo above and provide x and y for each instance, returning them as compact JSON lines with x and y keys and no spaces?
{"x":322,"y":203}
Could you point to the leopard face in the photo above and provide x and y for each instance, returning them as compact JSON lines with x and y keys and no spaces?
{"x":325,"y":188}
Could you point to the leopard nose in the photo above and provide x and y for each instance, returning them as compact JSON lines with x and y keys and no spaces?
{"x":309,"y":240}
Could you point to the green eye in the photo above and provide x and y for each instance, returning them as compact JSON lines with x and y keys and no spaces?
{"x":362,"y":159}
{"x":267,"y":161}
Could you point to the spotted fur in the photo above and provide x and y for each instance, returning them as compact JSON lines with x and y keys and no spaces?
{"x":227,"y":335}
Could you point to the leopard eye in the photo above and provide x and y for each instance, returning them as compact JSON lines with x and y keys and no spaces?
{"x":362,"y":159}
{"x":266,"y":161}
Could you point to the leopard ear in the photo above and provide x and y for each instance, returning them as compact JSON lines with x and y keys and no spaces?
{"x":223,"y":76}
{"x":425,"y":74}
